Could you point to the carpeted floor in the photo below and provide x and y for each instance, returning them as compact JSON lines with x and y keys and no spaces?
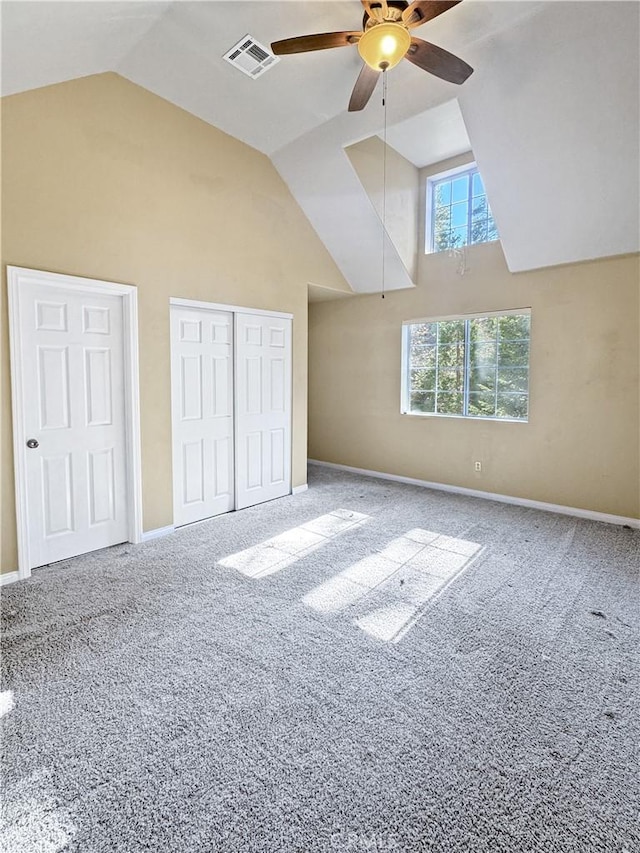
{"x":394,"y":670}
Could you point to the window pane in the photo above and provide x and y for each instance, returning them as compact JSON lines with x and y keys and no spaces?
{"x":478,"y":185}
{"x":479,"y":231}
{"x":443,"y":218}
{"x":451,"y":331}
{"x":479,"y":208}
{"x":479,"y":213}
{"x":459,"y":237}
{"x":423,"y":333}
{"x":443,"y":193}
{"x":460,"y":188}
{"x":492,"y":231}
{"x":423,"y":380}
{"x":451,"y":355}
{"x":483,"y":329}
{"x":514,"y":327}
{"x":482,"y":378}
{"x":482,"y":353}
{"x":459,"y":214}
{"x":513,"y":353}
{"x":422,"y":401}
{"x":513,"y":379}
{"x":449,"y":404}
{"x":442,"y":229}
{"x":443,"y":240}
{"x":512,"y":406}
{"x":450,"y":379}
{"x":423,"y":356}
{"x":482,"y":404}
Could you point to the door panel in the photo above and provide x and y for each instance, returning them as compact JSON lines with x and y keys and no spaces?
{"x":53,"y":382}
{"x":277,"y":384}
{"x":277,"y":468}
{"x":72,"y":358}
{"x":57,"y":493}
{"x":101,"y":486}
{"x":191,"y":387}
{"x":254,"y":460}
{"x":202,"y":394}
{"x":194,"y":472}
{"x":99,"y":386}
{"x":263,"y":354}
{"x":222,"y":397}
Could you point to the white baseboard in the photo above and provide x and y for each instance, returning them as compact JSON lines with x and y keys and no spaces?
{"x":590,"y":514}
{"x":157,"y":533}
{"x":296,"y":490}
{"x":9,"y":577}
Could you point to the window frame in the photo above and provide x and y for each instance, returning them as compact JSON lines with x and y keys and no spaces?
{"x":430,"y":220}
{"x":405,"y":368}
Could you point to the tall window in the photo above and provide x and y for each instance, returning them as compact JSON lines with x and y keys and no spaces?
{"x":459,"y":213}
{"x":475,"y":367}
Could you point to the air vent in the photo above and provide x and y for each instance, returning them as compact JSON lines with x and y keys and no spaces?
{"x":251,"y":57}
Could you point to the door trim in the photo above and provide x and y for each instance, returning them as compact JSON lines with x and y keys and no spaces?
{"x":230,"y":309}
{"x":16,"y":276}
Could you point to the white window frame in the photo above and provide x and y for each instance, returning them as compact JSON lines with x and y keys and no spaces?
{"x":405,"y":374}
{"x":432,"y":180}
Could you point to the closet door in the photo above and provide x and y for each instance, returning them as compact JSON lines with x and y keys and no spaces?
{"x":263,"y":408}
{"x":202,"y":403}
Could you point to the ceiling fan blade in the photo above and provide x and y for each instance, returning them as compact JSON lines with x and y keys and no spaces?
{"x":438,"y":61}
{"x":362,"y":91}
{"x":425,"y":10}
{"x":317,"y":41}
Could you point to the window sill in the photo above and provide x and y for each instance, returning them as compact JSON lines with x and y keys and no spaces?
{"x":465,"y":417}
{"x":461,"y":248}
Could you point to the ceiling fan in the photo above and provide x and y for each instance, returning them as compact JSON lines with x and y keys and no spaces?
{"x":384,"y":40}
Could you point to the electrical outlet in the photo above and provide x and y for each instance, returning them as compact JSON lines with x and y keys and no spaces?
{"x":477,"y":466}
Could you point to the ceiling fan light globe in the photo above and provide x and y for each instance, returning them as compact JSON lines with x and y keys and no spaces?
{"x":383,"y":45}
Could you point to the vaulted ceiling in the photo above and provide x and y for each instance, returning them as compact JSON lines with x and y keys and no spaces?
{"x":551,"y":112}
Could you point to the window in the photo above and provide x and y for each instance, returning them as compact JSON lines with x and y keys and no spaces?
{"x":458,"y":211}
{"x":476,"y":367}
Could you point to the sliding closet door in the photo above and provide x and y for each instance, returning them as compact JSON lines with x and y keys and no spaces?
{"x":202,"y":402}
{"x":263,"y":408}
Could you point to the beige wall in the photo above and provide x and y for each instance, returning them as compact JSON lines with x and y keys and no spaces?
{"x":580,"y":447}
{"x":105,"y":180}
{"x":402,"y":194}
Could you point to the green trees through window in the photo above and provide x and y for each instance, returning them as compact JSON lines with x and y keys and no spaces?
{"x":460,"y":212}
{"x":476,"y":367}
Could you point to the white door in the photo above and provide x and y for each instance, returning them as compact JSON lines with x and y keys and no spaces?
{"x":202,"y":401}
{"x":74,"y":442}
{"x":263,"y":408}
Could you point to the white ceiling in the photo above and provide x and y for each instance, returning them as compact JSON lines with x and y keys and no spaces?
{"x":551,"y":111}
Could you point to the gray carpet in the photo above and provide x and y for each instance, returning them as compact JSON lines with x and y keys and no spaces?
{"x":408,"y":671}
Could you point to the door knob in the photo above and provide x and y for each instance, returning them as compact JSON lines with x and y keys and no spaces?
{"x":32,"y":443}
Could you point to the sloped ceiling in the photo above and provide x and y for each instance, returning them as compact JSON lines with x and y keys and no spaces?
{"x":554,"y":123}
{"x":551,"y":111}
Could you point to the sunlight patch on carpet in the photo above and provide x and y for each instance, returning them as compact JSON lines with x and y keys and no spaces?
{"x":6,"y":702}
{"x":398,"y":581}
{"x":280,"y":551}
{"x":33,"y":819}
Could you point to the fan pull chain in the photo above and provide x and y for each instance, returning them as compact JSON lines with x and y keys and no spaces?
{"x":384,"y":176}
